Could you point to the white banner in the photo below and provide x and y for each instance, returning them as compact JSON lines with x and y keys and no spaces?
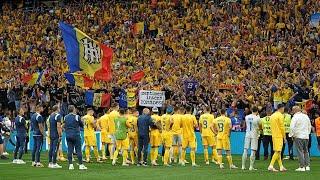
{"x":151,"y":98}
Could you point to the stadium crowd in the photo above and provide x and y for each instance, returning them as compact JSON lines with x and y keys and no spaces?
{"x":237,"y":54}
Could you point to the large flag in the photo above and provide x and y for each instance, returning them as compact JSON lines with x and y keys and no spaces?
{"x":32,"y":79}
{"x":97,"y":99}
{"x":85,"y":54}
{"x":79,"y":80}
{"x":137,"y":76}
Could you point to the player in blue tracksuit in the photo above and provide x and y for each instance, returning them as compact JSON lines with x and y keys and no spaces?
{"x":72,"y":125}
{"x":21,"y":128}
{"x":55,"y":132}
{"x":37,"y":125}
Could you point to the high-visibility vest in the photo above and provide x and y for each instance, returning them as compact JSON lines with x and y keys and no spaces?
{"x":266,"y":126}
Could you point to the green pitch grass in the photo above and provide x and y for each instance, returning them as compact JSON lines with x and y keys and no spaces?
{"x":106,"y":171}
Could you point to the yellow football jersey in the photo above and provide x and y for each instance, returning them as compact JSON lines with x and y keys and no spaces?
{"x":206,"y":121}
{"x":188,"y":123}
{"x":176,"y":127}
{"x":223,"y":125}
{"x":133,"y":124}
{"x":103,"y":123}
{"x":277,"y":125}
{"x":111,"y":126}
{"x":165,"y":122}
{"x":88,"y":125}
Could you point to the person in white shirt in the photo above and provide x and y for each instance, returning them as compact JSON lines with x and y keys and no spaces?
{"x":300,"y":128}
{"x":253,"y":126}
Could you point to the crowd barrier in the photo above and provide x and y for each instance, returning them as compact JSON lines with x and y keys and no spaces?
{"x":237,"y":139}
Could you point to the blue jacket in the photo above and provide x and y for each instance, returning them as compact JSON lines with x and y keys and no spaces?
{"x":144,"y":123}
{"x":72,"y":125}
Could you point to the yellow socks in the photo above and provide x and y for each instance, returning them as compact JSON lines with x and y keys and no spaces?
{"x":103,"y":150}
{"x":280,"y":161}
{"x":166,"y":156}
{"x":229,"y":158}
{"x":152,"y":154}
{"x":87,"y":152}
{"x":274,"y":158}
{"x":96,"y":152}
{"x":124,"y":156}
{"x":156,"y":152}
{"x":206,"y":155}
{"x":132,"y":156}
{"x":193,"y":156}
{"x":219,"y":159}
{"x":115,"y":155}
{"x":175,"y":152}
{"x":214,"y":155}
{"x":183,"y":155}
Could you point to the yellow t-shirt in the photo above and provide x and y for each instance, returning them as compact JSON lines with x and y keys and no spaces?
{"x":277,"y":125}
{"x":156,"y":118}
{"x":88,"y":125}
{"x":176,"y":127}
{"x":205,"y":122}
{"x":111,"y":126}
{"x":165,"y":122}
{"x":223,"y":124}
{"x":103,"y":123}
{"x":188,"y":122}
{"x":133,"y":130}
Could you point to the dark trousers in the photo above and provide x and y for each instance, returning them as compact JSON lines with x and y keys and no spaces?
{"x":290,"y":146}
{"x":37,"y":147}
{"x":19,"y":147}
{"x":303,"y":152}
{"x":258,"y":149}
{"x":26,"y":145}
{"x":74,"y":143}
{"x":53,"y":151}
{"x":267,"y":140}
{"x":143,"y":142}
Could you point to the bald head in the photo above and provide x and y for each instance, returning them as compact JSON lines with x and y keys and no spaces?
{"x":296,"y":109}
{"x":146,"y":111}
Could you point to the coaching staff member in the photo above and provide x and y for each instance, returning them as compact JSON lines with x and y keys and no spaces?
{"x":300,"y":129}
{"x":72,"y":125}
{"x":144,"y":123}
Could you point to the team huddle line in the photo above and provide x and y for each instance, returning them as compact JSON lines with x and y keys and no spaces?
{"x":126,"y":132}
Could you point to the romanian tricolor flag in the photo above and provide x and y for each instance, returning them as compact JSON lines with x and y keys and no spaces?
{"x":97,"y":99}
{"x":32,"y":79}
{"x":85,"y":54}
{"x":80,"y":80}
{"x":138,"y":28}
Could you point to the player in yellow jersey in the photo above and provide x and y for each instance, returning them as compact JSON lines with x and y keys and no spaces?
{"x":89,"y":135}
{"x":112,"y":128}
{"x":133,"y":133}
{"x":155,"y":137}
{"x":278,"y":137}
{"x":166,"y":123}
{"x":208,"y":138}
{"x":222,"y":127}
{"x":121,"y":134}
{"x":188,"y":123}
{"x":102,"y":125}
{"x":176,"y":135}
